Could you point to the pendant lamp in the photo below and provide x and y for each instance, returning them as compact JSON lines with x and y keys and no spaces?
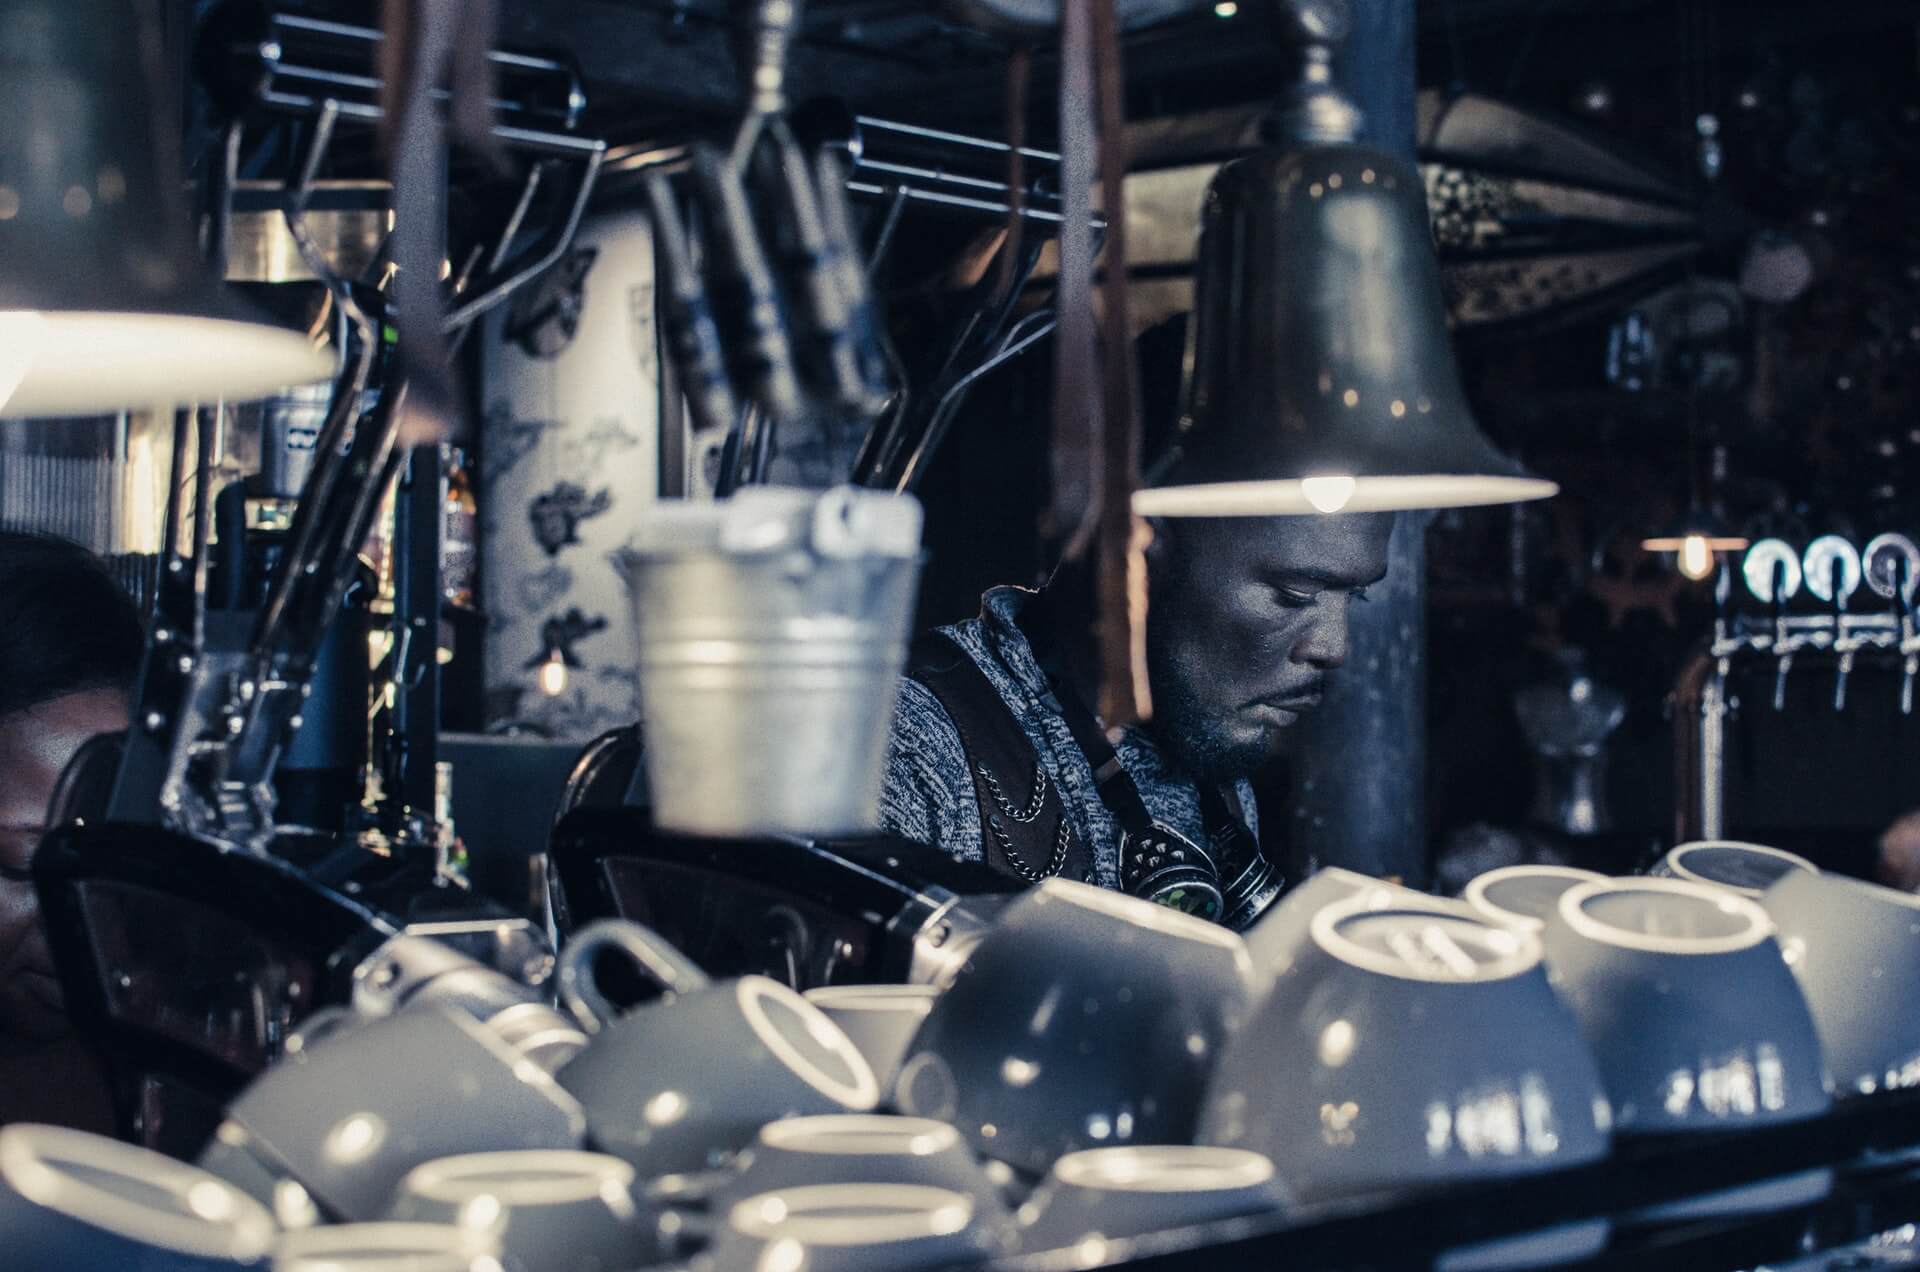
{"x":104,"y":304}
{"x":1320,"y":374}
{"x":1696,"y":543}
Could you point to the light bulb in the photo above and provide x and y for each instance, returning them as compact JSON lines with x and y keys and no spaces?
{"x":553,"y":675}
{"x":1695,"y":558}
{"x":1328,"y":494}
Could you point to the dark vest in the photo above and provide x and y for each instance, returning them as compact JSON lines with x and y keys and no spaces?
{"x":1024,"y":829}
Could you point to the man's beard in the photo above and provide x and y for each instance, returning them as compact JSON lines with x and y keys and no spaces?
{"x":1190,"y":733}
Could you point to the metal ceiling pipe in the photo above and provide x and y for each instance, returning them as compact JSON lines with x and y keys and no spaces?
{"x":1360,"y":767}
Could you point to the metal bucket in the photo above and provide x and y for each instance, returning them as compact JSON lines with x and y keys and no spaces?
{"x":770,"y":643}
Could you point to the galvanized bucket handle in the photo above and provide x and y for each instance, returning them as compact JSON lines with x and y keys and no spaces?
{"x":651,"y":953}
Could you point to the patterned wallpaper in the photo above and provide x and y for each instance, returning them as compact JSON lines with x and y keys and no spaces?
{"x":570,"y":461}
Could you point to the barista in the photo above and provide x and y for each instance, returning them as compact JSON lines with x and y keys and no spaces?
{"x":70,"y":648}
{"x":996,"y":756}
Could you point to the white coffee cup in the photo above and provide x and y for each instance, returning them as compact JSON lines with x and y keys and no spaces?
{"x":854,"y":1148}
{"x":70,"y":1199}
{"x":1083,"y":1018}
{"x":387,"y":1247}
{"x":1691,"y":1011}
{"x":881,"y":1020}
{"x":1748,"y":869}
{"x":548,"y":1211}
{"x":1283,"y":931}
{"x":1406,"y":1047}
{"x":849,"y":1228}
{"x":348,"y":1114}
{"x":680,"y":1084}
{"x":1143,"y":1188}
{"x":1855,"y":949}
{"x":1523,"y":896}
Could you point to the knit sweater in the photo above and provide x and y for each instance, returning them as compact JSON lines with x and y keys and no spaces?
{"x":929,"y":793}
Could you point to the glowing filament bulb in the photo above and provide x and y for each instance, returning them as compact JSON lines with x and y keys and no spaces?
{"x":1327,"y":494}
{"x":1695,"y":557}
{"x":553,"y":675}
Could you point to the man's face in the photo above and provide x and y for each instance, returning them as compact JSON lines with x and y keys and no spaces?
{"x":1246,"y":617}
{"x":35,"y":746}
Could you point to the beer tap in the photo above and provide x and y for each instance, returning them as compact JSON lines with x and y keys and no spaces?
{"x":1772,"y":571}
{"x":1909,"y":638}
{"x":1909,"y":643}
{"x":1891,"y":568}
{"x":1832,"y":568}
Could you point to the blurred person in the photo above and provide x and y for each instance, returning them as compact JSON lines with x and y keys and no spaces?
{"x":1898,"y":862}
{"x":71,"y":641}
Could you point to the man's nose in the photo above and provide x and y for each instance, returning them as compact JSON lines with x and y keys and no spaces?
{"x":1324,"y":643}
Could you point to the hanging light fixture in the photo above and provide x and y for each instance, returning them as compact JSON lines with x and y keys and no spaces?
{"x":104,"y":304}
{"x":1696,"y":544}
{"x":1320,"y":374}
{"x":1700,"y":537}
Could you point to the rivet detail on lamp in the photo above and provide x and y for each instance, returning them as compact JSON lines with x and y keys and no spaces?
{"x":1321,"y":377}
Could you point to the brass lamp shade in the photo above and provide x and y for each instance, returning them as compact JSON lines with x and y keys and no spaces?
{"x":1320,"y":373}
{"x":104,"y":303}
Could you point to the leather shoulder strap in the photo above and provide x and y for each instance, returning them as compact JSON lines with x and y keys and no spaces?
{"x":1023,"y":825}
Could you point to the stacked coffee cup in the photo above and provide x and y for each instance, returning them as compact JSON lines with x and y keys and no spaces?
{"x":1099,"y":1073}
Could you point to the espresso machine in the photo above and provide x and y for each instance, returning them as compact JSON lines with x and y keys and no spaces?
{"x":197,"y":915}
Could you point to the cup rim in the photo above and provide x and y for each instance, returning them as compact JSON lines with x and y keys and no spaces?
{"x":574,"y":1175}
{"x":1475,"y":893}
{"x":398,"y":1235}
{"x":860,"y":1133}
{"x":1864,"y":887}
{"x":1325,"y":932}
{"x":1165,"y":1168}
{"x":556,"y":1025}
{"x":1137,"y":910}
{"x":921,"y":1211}
{"x":914,"y":998}
{"x":1675,"y":860}
{"x":752,"y":993}
{"x":1759,"y":926}
{"x":28,"y":1156}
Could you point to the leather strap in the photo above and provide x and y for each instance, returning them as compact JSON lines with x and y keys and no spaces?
{"x":1116,"y":786}
{"x":1120,"y":583}
{"x":1019,"y":808}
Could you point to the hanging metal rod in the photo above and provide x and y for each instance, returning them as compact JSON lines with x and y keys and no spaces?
{"x":251,"y":56}
{"x":888,"y":161}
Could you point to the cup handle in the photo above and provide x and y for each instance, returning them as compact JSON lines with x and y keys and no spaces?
{"x":652,"y":953}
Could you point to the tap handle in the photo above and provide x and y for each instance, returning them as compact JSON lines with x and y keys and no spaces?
{"x":1782,"y":666}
